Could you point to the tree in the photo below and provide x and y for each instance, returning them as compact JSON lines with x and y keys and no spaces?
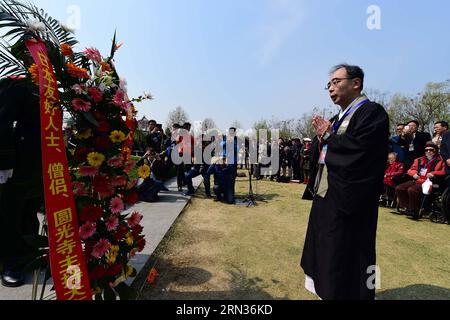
{"x":177,"y":116}
{"x":236,"y":124}
{"x":427,"y":107}
{"x":398,"y":109}
{"x":380,"y":97}
{"x":303,"y":127}
{"x":208,"y":124}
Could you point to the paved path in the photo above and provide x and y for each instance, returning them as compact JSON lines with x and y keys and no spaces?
{"x":158,"y":219}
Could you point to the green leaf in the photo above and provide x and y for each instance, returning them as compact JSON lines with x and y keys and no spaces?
{"x":89,"y":117}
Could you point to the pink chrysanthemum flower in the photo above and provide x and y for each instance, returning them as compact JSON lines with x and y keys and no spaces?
{"x":116,"y":205}
{"x":87,"y":230}
{"x":112,"y":224}
{"x":87,"y":171}
{"x":81,"y":105}
{"x":93,"y":54}
{"x":119,"y":97}
{"x":100,"y":248}
{"x":135,"y":219}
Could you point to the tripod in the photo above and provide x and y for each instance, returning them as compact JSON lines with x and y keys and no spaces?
{"x":252,"y":198}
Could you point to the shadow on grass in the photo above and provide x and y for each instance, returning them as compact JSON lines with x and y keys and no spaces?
{"x":416,"y":292}
{"x":174,"y":283}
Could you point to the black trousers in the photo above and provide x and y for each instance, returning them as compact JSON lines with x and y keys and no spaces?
{"x":20,"y":202}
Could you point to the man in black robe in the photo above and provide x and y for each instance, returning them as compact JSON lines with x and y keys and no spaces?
{"x":348,"y":163}
{"x":21,"y":196}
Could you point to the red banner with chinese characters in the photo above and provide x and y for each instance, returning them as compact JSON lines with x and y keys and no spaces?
{"x":67,"y":263}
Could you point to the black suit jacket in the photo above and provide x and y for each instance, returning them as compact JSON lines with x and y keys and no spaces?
{"x":419,"y":143}
{"x":445,"y":151}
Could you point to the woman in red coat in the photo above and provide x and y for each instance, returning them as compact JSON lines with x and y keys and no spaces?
{"x":395,"y":170}
{"x":427,"y":167}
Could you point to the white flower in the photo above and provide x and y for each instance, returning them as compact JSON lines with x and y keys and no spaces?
{"x":102,"y":87}
{"x":66,"y":28}
{"x":36,"y":25}
{"x":78,"y":89}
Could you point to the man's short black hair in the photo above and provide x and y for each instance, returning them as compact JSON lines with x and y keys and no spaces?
{"x":152,"y":121}
{"x":415,"y":121}
{"x":353,"y":72}
{"x":401,"y":125}
{"x":187,"y":125}
{"x":176,"y":126}
{"x":442,"y":123}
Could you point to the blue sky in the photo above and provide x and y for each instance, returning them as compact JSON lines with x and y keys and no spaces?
{"x":248,"y":60}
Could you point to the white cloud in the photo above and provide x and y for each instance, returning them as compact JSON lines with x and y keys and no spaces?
{"x":284,"y":17}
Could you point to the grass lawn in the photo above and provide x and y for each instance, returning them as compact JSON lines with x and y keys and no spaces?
{"x":216,"y":251}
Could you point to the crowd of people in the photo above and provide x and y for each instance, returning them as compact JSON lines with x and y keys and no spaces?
{"x":417,"y":163}
{"x":294,"y":161}
{"x":158,"y":156}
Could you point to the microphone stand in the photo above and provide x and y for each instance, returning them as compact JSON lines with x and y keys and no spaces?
{"x":252,"y":198}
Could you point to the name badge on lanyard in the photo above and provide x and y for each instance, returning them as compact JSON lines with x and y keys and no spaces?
{"x":423,"y":172}
{"x":411,"y":147}
{"x":323,"y":155}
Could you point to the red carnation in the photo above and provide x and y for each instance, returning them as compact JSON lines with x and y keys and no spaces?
{"x":114,"y":270}
{"x":81,"y":154}
{"x":96,"y":94}
{"x":137,"y":230}
{"x":91,"y":214}
{"x":99,"y":116}
{"x":141,"y":244}
{"x":132,"y":198}
{"x":103,"y":127}
{"x":103,"y":144}
{"x":103,"y":187}
{"x":98,"y":272}
{"x":121,"y":233}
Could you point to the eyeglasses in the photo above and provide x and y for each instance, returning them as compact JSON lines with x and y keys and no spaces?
{"x":430,"y":150}
{"x":334,"y":82}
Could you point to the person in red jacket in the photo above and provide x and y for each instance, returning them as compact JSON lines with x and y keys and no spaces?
{"x":394,"y":172}
{"x":428,"y":167}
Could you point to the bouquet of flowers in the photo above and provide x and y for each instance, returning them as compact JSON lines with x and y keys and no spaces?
{"x":92,"y":92}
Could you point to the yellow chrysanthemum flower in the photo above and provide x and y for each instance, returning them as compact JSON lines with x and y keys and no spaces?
{"x":111,"y":257}
{"x":115,"y":249}
{"x":95,"y":159}
{"x":117,"y":136}
{"x":130,"y":240}
{"x":144,"y":172}
{"x":85,"y":134}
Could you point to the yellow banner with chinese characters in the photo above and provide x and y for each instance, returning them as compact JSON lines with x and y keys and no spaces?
{"x":69,"y":272}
